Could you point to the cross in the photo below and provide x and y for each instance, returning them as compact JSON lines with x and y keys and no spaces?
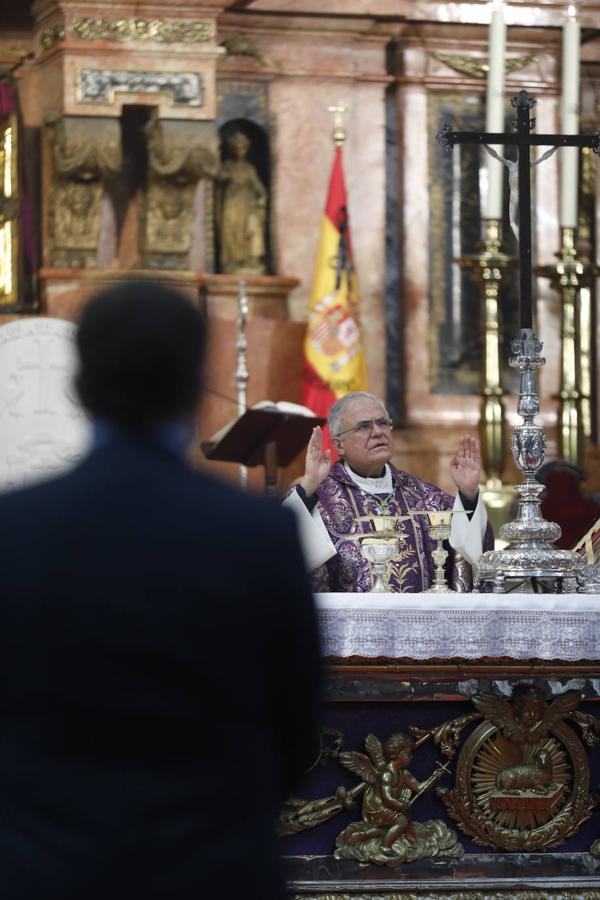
{"x":524,"y":140}
{"x":42,"y":365}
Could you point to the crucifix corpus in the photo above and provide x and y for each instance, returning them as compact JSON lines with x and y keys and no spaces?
{"x":530,"y":553}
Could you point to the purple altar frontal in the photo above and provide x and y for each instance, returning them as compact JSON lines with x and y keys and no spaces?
{"x":481,"y":714}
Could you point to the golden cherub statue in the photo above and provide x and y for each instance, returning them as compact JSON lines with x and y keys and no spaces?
{"x":387,"y":834}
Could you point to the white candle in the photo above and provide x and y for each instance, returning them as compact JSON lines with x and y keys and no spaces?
{"x":569,"y":119}
{"x":494,"y":112}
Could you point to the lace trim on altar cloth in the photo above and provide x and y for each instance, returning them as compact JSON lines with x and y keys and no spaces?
{"x":470,"y":634}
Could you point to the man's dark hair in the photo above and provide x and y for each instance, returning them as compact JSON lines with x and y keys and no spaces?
{"x":141,"y":347}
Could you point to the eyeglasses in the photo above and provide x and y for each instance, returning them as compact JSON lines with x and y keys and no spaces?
{"x":365,"y":426}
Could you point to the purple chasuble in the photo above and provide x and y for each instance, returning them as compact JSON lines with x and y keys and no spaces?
{"x":342,"y":503}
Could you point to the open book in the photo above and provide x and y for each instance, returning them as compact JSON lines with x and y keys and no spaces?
{"x":282,"y":406}
{"x":284,"y":424}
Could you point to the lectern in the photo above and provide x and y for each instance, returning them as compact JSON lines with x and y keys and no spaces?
{"x":266,"y":436}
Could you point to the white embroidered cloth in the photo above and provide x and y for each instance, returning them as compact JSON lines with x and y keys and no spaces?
{"x":424,"y":626}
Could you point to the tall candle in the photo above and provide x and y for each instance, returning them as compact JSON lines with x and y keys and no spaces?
{"x":494,"y":112}
{"x":569,"y":119}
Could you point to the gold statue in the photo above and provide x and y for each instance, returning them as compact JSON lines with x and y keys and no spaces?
{"x":241,"y":212}
{"x":387,"y":834}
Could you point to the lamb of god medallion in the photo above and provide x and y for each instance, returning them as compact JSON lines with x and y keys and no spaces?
{"x":522,"y":776}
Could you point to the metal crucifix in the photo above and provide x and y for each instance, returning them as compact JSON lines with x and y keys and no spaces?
{"x":529,"y":552}
{"x":524,"y":140}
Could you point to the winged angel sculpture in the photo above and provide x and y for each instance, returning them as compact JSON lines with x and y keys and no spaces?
{"x":387,"y":834}
{"x":527,"y":717}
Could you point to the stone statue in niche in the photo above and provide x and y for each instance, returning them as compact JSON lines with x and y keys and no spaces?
{"x":241,"y":212}
{"x":179,"y":155}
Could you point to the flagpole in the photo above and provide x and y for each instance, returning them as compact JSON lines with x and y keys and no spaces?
{"x":339,"y":133}
{"x":334,"y":359}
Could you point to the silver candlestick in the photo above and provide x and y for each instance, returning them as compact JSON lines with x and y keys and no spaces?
{"x":529,"y":552}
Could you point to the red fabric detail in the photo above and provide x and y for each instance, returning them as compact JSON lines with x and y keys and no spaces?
{"x":336,"y":207}
{"x":565,"y":504}
{"x":318,"y":396}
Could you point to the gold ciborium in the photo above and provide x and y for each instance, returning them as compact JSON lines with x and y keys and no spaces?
{"x":439,"y":526}
{"x":379,"y":548}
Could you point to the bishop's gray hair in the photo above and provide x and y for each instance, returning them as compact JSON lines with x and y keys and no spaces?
{"x":334,"y":417}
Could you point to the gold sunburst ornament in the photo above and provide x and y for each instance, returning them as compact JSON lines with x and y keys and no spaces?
{"x":522,"y":776}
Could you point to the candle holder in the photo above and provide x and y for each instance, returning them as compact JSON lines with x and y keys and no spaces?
{"x":487,"y":268}
{"x":568,"y":276}
{"x":529,"y":552}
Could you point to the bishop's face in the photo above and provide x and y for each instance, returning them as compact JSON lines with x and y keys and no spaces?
{"x":365,"y":441}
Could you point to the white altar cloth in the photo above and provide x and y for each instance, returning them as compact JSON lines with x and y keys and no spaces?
{"x":424,"y":626}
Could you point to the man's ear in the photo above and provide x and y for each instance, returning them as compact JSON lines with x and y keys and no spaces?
{"x":336,"y":443}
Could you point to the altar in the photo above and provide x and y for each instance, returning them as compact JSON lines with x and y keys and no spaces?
{"x":493,"y":698}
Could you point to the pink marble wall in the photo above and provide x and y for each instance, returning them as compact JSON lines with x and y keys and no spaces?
{"x":305,"y":155}
{"x":312,"y":61}
{"x":312,"y":65}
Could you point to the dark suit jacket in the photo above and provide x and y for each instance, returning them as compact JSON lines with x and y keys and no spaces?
{"x":158,"y":683}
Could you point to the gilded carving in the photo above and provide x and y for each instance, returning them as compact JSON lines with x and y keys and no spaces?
{"x":521,"y":783}
{"x":588,"y":171}
{"x":181,"y":151}
{"x":76,"y":209}
{"x":9,"y":210}
{"x":560,"y":894}
{"x":84,"y":153}
{"x":476,"y":67}
{"x":387,"y":834}
{"x":164,"y":31}
{"x":179,"y":155}
{"x":168,"y":219}
{"x":84,"y":147}
{"x":522,"y":776}
{"x":51,"y":36}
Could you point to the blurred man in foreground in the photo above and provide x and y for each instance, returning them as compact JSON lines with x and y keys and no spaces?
{"x":158,"y":649}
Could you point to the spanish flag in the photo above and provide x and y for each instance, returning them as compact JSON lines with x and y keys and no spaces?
{"x":334,"y":356}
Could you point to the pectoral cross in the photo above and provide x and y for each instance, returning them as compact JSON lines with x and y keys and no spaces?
{"x":523,"y":140}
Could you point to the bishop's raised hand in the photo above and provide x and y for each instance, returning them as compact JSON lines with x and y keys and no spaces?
{"x":465,"y":467}
{"x":318,"y":463}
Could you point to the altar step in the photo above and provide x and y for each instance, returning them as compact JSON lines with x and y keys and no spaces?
{"x":485,"y":876}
